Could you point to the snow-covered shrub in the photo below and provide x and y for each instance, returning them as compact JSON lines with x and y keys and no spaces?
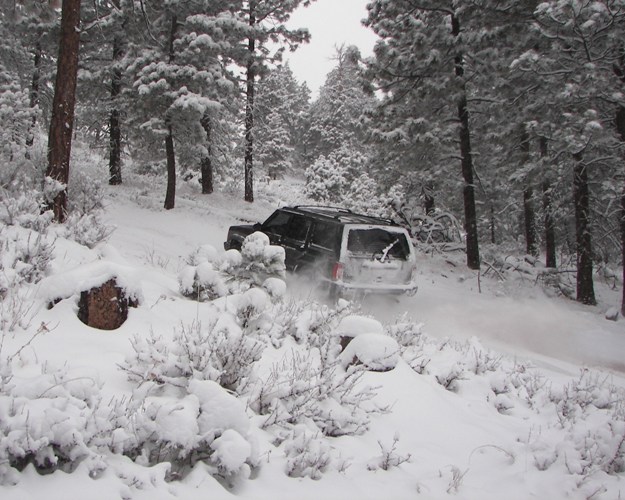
{"x":374,"y":351}
{"x":220,"y":352}
{"x":200,"y":423}
{"x":25,"y":256}
{"x":53,"y":422}
{"x":310,"y":385}
{"x":336,"y":179}
{"x":208,"y":275}
{"x":202,"y":282}
{"x":260,"y":260}
{"x":87,"y":229}
{"x":25,"y":209}
{"x":84,"y":224}
{"x":251,"y":306}
{"x":311,"y":323}
{"x":389,"y":458}
{"x":308,"y":454}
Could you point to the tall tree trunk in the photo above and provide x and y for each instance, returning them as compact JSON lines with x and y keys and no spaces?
{"x":550,"y":231}
{"x":115,"y":131}
{"x":493,"y":238}
{"x":62,"y":119}
{"x":529,"y":214}
{"x":170,"y":195}
{"x":581,"y":199}
{"x":206,"y":163}
{"x":620,"y":127}
{"x":429,"y":205}
{"x":249,"y":110}
{"x":470,"y":214}
{"x":34,"y":92}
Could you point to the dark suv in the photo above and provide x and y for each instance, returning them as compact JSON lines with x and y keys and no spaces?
{"x":347,"y":251}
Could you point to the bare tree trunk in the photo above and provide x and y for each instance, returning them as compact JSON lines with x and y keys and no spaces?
{"x":470,"y":214}
{"x":206,"y":163}
{"x":249,"y":111}
{"x":62,"y":120}
{"x":429,"y":205}
{"x":620,"y":127}
{"x":34,"y":92}
{"x":529,"y":214}
{"x":493,"y":238}
{"x":581,"y":198}
{"x":550,"y":232}
{"x":170,"y":195}
{"x":115,"y":132}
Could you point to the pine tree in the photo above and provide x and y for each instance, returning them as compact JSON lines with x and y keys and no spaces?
{"x":426,"y":66}
{"x":335,"y":116}
{"x":183,"y":81}
{"x":62,"y":120}
{"x":281,"y":109}
{"x":577,"y":65}
{"x":266,"y":22}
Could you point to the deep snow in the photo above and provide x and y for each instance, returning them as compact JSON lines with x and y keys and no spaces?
{"x":433,"y":442}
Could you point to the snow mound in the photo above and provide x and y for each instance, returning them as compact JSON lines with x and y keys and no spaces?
{"x":231,"y":451}
{"x":219,"y":409}
{"x":88,"y":276}
{"x":353,"y":325}
{"x":375,"y":351}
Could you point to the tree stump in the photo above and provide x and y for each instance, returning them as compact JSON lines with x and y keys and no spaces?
{"x":104,"y":307}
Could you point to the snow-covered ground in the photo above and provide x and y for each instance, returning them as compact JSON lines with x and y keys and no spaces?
{"x":501,"y":391}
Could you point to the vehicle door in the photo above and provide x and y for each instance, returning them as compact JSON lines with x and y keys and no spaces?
{"x":323,"y":249}
{"x":276,"y":226}
{"x":295,"y":240}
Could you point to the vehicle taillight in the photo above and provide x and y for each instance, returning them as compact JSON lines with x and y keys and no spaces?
{"x":337,"y":271}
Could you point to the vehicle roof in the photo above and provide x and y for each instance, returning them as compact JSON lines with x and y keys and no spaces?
{"x":341,"y":215}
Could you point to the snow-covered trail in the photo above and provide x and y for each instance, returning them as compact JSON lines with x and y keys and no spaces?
{"x":552,"y":331}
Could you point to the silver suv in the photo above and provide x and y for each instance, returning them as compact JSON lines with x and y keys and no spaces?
{"x":344,"y":251}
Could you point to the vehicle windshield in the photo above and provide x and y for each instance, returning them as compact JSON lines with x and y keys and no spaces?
{"x":379,"y":243}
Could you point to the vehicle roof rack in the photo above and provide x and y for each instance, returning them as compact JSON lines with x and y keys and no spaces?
{"x":344,"y":211}
{"x":326,"y":207}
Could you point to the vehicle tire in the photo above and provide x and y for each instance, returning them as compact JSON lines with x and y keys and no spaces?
{"x":334,"y":293}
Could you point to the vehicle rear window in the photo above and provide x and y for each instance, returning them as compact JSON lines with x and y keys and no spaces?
{"x":377,"y":241}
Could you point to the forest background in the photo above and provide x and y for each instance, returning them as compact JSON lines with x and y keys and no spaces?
{"x":483,"y":125}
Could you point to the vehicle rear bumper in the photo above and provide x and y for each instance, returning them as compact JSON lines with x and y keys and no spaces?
{"x":382,"y":289}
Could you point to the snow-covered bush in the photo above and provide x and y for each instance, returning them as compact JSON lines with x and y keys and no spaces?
{"x":25,"y":257}
{"x":260,"y":260}
{"x":390,"y":457}
{"x":310,"y":385}
{"x":208,"y":275}
{"x":84,"y":224}
{"x":53,"y":422}
{"x":308,"y":454}
{"x":25,"y":209}
{"x":87,"y":229}
{"x":374,"y":351}
{"x":219,"y":352}
{"x":202,"y":282}
{"x":200,"y":423}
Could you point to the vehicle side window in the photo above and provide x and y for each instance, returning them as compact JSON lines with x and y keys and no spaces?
{"x":325,"y":235}
{"x":298,"y":228}
{"x":277,"y":223}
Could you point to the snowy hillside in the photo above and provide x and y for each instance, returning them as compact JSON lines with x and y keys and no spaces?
{"x":494,"y":389}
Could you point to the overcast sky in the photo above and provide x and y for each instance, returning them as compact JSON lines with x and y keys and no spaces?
{"x":331,"y":23}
